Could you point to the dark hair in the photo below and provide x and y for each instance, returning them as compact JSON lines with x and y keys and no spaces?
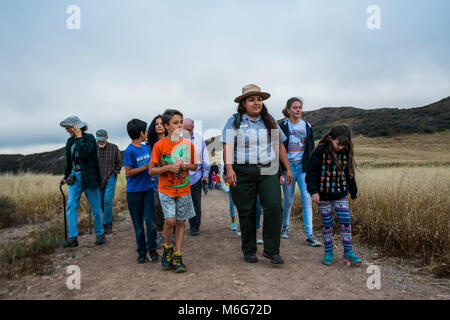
{"x":168,"y":114}
{"x":152,"y":136}
{"x":135,"y":127}
{"x":84,"y":129}
{"x":289,"y":104}
{"x":268,"y":120}
{"x":343,"y":134}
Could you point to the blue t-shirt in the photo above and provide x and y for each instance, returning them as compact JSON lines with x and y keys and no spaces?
{"x":137,"y":157}
{"x":297,"y":139}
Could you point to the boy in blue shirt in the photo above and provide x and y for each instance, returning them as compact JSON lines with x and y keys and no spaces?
{"x":140,"y":191}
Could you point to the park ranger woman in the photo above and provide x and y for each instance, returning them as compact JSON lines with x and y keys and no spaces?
{"x":253,"y":147}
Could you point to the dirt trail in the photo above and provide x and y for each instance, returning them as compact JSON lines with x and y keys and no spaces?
{"x":216,"y":270}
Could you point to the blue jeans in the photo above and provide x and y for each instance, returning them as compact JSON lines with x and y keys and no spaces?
{"x":73,"y":202}
{"x":289,"y":194}
{"x":107,"y":199}
{"x":258,"y":213}
{"x":231,"y":203}
{"x":258,"y":209}
{"x":142,"y":209}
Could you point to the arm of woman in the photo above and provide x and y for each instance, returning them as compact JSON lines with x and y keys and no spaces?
{"x":228,"y":160}
{"x":352,"y":187}
{"x":85,"y":145}
{"x":285,"y":161}
{"x":312,"y":175}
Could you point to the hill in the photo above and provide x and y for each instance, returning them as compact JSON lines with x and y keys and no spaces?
{"x":383,"y":122}
{"x":369,"y":123}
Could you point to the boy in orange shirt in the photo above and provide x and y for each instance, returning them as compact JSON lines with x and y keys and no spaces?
{"x":172,"y":158}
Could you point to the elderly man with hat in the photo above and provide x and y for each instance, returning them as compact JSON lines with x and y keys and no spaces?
{"x":82,"y":174}
{"x":253,"y":147}
{"x":110,"y":165}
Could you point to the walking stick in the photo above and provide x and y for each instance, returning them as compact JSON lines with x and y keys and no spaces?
{"x":64,"y":205}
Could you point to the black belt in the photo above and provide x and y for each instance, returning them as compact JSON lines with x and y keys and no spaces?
{"x":259,"y":165}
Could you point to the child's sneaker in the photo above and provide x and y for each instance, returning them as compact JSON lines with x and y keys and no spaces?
{"x":311,"y":241}
{"x":153,"y":256}
{"x":328,"y":259}
{"x":351,"y":258}
{"x":167,"y":258}
{"x":141,"y":258}
{"x":233,"y":226}
{"x":178,"y":262}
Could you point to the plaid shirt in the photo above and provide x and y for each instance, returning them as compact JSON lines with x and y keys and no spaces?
{"x":88,"y":159}
{"x":110,"y":162}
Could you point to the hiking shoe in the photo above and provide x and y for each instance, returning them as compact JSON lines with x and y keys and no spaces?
{"x":328,"y":259}
{"x":107,"y":228}
{"x":284,"y":233}
{"x":311,"y":241}
{"x":167,"y":258}
{"x":142,"y":258}
{"x":99,"y":240}
{"x":195,"y":233}
{"x":259,"y":239}
{"x":251,"y":258}
{"x":233,"y":226}
{"x":71,"y":242}
{"x":177,"y":263}
{"x":153,"y":256}
{"x":351,"y":257}
{"x":238,"y":233}
{"x":274,"y":258}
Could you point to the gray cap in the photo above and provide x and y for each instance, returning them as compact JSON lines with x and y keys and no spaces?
{"x":72,"y":121}
{"x":101,"y":135}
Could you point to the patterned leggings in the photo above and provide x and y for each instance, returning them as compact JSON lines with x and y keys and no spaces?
{"x":343,"y":214}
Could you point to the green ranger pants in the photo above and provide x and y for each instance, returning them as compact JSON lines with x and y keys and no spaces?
{"x":249,"y":184}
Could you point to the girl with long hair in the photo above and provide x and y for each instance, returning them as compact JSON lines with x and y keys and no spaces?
{"x":330,"y":178}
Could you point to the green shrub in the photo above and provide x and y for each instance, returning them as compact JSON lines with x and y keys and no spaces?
{"x":7,"y":208}
{"x":23,"y":255}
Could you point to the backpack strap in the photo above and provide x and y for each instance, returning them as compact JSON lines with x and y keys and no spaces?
{"x":237,"y":120}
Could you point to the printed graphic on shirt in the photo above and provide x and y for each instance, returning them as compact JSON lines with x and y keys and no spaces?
{"x":333,"y":180}
{"x":181,"y":153}
{"x":297,"y":139}
{"x":143,"y":159}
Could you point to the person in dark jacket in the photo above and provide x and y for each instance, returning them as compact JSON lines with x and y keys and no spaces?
{"x":299,"y":146}
{"x":330,"y":178}
{"x":82,"y":173}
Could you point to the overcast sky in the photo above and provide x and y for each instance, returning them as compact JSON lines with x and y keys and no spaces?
{"x":135,"y":58}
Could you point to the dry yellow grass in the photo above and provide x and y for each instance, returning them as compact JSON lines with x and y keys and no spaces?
{"x":402,"y":210}
{"x":404,"y":150}
{"x":38,"y":198}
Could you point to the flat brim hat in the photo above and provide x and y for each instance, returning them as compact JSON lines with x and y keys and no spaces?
{"x":101,"y":135}
{"x":252,"y":90}
{"x":72,"y":121}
